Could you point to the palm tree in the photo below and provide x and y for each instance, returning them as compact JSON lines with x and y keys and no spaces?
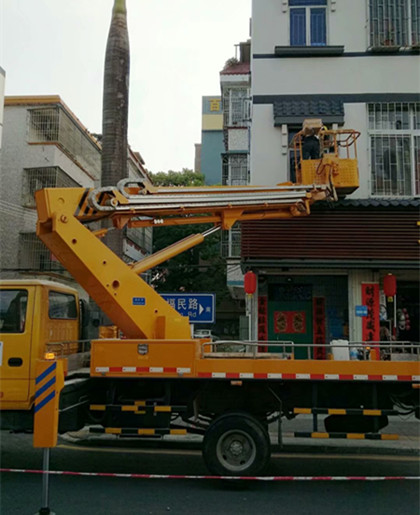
{"x":115,"y":108}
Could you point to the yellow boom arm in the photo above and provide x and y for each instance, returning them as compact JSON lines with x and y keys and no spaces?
{"x":133,"y":305}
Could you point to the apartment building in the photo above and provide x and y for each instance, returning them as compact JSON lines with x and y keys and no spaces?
{"x":46,"y":145}
{"x":235,"y":84}
{"x":211,"y":139}
{"x":354,"y":65}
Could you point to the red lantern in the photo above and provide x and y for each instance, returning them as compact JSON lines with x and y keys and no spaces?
{"x":250,"y":283}
{"x":390,"y":285}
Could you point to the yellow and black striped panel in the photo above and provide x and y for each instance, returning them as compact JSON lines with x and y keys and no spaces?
{"x":347,"y":436}
{"x":340,"y":411}
{"x":137,"y":431}
{"x":139,"y":407}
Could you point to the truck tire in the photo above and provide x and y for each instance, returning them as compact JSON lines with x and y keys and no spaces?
{"x":236,"y":444}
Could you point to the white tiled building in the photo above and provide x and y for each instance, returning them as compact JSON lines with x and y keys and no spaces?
{"x":235,"y":84}
{"x":45,"y":145}
{"x":353,"y":63}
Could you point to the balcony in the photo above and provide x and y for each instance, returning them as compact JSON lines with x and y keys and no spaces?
{"x":52,"y":125}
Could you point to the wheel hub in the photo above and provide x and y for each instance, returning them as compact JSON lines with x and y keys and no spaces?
{"x":236,"y":448}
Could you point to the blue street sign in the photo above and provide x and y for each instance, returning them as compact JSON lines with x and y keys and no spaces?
{"x":199,"y":307}
{"x":361,"y":311}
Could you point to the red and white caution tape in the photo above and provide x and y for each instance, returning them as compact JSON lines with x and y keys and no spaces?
{"x":236,"y":478}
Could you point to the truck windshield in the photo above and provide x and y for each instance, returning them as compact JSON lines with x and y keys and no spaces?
{"x":13,"y":305}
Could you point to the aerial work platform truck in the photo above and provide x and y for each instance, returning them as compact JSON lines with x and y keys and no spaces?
{"x":153,"y":378}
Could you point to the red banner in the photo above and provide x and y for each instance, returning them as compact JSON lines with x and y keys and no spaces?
{"x":319,"y":328}
{"x":262,"y":319}
{"x":370,"y":323}
{"x":290,"y":322}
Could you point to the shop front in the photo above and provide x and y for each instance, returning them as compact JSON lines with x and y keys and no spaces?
{"x":321,"y":278}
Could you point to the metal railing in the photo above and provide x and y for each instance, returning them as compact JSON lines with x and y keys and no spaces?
{"x":388,"y":351}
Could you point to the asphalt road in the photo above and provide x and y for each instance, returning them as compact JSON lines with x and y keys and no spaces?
{"x":21,"y":492}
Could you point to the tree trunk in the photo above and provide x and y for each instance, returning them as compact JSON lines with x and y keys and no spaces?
{"x":115,"y":109}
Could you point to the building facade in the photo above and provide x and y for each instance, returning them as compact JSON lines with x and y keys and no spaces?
{"x":45,"y":145}
{"x":354,"y":65}
{"x":2,"y":81}
{"x":211,"y":140}
{"x":235,"y":84}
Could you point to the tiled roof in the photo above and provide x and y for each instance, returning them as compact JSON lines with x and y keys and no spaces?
{"x":375,"y":202}
{"x":295,"y":111}
{"x":237,"y":69}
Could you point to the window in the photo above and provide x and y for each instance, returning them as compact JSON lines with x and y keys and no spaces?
{"x":34,"y":255}
{"x":13,"y":305}
{"x":231,"y":241}
{"x":308,"y":22}
{"x":235,"y":169}
{"x":62,"y":305}
{"x":54,"y":125}
{"x":394,"y":23}
{"x":45,"y":177}
{"x":394,"y":131}
{"x":236,"y":107}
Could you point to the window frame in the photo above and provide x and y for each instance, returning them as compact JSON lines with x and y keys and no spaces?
{"x":237,"y":96}
{"x":21,"y":294}
{"x":400,"y":31}
{"x":391,"y":127}
{"x":240,"y":160}
{"x":308,"y":7}
{"x":51,"y":315}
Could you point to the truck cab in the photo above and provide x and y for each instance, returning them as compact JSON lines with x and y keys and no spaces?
{"x":34,"y":315}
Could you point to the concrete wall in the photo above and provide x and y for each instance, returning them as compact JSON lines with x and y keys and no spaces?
{"x":2,"y":82}
{"x":336,"y":75}
{"x":273,"y":17}
{"x":212,"y":145}
{"x":212,"y":149}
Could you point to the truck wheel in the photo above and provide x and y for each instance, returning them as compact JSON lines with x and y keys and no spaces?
{"x":236,"y":444}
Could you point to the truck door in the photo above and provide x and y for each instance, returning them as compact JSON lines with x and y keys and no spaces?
{"x":16,"y":307}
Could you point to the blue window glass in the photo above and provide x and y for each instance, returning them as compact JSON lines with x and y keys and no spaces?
{"x":298,"y":27}
{"x":308,"y":22}
{"x":318,"y":27}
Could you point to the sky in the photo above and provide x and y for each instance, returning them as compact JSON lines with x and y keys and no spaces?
{"x":177,"y":49}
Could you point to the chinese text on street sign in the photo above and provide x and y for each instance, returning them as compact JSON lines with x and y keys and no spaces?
{"x":198,"y":307}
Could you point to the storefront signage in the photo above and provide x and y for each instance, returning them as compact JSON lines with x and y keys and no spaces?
{"x":370,"y":323}
{"x":361,"y":311}
{"x":262,"y":321}
{"x":319,"y":328}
